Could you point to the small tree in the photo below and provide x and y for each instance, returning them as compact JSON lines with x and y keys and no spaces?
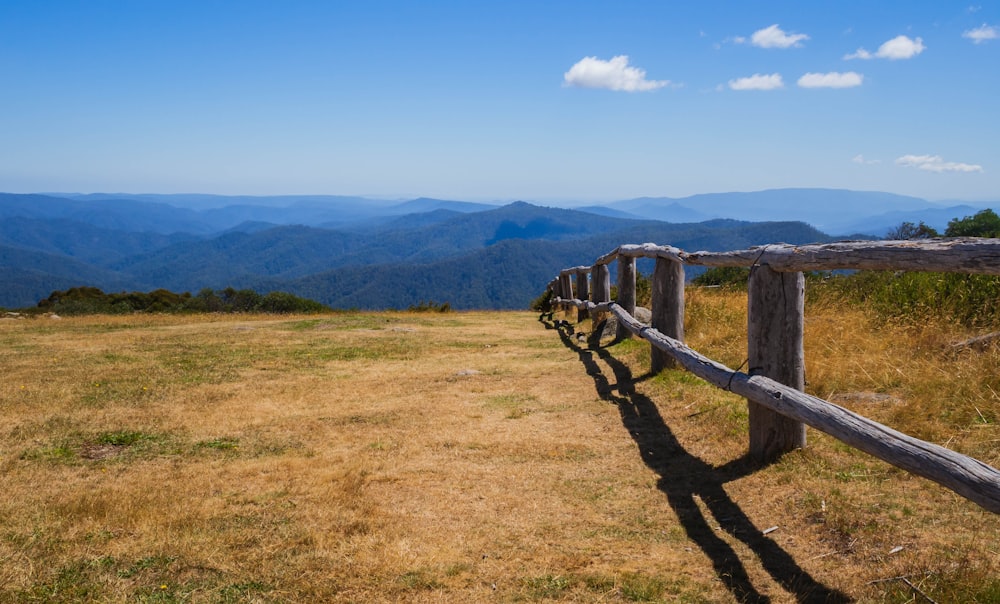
{"x":985,"y":223}
{"x":908,"y":230}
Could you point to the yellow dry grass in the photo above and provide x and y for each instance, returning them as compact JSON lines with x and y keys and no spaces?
{"x":462,"y":457}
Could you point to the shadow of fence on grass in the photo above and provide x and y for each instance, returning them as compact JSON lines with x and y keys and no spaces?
{"x":685,"y":479}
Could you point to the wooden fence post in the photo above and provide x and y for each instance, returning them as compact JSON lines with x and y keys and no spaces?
{"x":775,"y":327}
{"x":566,"y":289}
{"x":667,"y":309}
{"x":626,"y":292}
{"x":601,"y":282}
{"x":582,"y":292}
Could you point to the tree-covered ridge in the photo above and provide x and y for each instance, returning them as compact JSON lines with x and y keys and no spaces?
{"x":490,"y":259}
{"x":91,"y":300}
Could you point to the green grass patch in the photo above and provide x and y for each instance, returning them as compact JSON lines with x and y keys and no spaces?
{"x":123,"y":438}
{"x":59,"y":453}
{"x":515,"y":405}
{"x":119,"y":445}
{"x":546,"y":586}
{"x":219,"y":444}
{"x":418,"y":580}
{"x":244,"y":591}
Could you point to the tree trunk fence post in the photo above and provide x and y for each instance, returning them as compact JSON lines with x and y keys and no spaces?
{"x":600,"y":277}
{"x":566,"y":287}
{"x":626,"y":293}
{"x":667,"y":309}
{"x":775,"y":326}
{"x":583,"y":293}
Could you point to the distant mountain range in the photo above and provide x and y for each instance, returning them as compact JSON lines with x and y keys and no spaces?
{"x":356,"y":252}
{"x":835,"y":211}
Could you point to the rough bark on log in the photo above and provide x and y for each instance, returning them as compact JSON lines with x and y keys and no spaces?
{"x":601,"y":282}
{"x":582,"y":292}
{"x":667,"y":308}
{"x":650,"y":250}
{"x":775,"y":329}
{"x":958,"y":255}
{"x":978,"y":342}
{"x":565,"y":287}
{"x":626,"y":291}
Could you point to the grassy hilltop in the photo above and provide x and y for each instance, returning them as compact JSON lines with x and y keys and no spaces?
{"x":467,"y":457}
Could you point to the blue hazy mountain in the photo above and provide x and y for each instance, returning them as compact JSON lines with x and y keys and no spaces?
{"x":835,"y":211}
{"x":345,"y":250}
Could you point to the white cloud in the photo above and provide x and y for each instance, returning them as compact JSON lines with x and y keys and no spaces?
{"x":774,"y":37}
{"x":981,"y":34}
{"x":616,"y":74}
{"x":900,"y":47}
{"x":757,"y":82}
{"x":860,"y":159}
{"x":833,"y":79}
{"x":934,"y":163}
{"x":860,"y":53}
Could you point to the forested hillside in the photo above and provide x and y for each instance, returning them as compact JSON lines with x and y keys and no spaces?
{"x":469,"y":255}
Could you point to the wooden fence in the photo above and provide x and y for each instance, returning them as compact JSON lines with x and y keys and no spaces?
{"x":773,"y":384}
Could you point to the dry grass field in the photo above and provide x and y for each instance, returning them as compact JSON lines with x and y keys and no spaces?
{"x":471,"y":457}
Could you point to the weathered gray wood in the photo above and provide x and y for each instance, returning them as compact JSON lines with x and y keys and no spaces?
{"x":582,"y":292}
{"x":608,"y":258}
{"x":958,"y":255}
{"x":667,"y":308}
{"x":970,"y":478}
{"x":565,"y":287}
{"x":979,"y":342}
{"x":602,"y":307}
{"x":626,"y":291}
{"x":644,"y":250}
{"x":650,"y":250}
{"x":775,"y":328}
{"x":600,"y":276}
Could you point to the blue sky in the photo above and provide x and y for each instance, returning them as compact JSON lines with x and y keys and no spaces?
{"x":543,"y":101}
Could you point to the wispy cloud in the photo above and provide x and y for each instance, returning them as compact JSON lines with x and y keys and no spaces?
{"x":981,"y":34}
{"x":935,"y":163}
{"x":860,"y":159}
{"x":615,"y":74}
{"x":833,"y":79}
{"x":900,"y":47}
{"x":774,"y":37}
{"x":757,"y":82}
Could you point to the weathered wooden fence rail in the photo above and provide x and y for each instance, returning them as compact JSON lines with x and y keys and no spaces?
{"x":773,"y":383}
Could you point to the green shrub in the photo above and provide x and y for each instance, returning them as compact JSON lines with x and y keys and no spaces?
{"x":985,"y":223}
{"x":430,"y":307}
{"x":969,"y":300}
{"x":734,"y":277}
{"x":283,"y":302}
{"x":542,"y":303}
